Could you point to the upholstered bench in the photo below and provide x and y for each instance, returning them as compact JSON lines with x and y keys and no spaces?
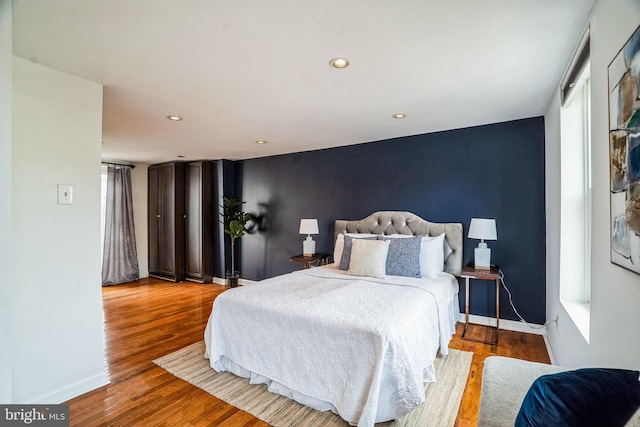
{"x":505,"y":382}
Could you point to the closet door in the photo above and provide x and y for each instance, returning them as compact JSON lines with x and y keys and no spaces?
{"x":166,"y":221}
{"x":153,"y":219}
{"x":199,"y":221}
{"x":167,"y":229}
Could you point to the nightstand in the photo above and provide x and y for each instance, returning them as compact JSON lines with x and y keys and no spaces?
{"x":470,"y":272}
{"x":312,"y":260}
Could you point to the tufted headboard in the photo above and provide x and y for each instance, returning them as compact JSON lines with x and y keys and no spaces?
{"x":391,"y":222}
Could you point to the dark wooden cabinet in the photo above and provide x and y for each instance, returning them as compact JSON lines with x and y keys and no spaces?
{"x":166,"y":220}
{"x":199,"y":221}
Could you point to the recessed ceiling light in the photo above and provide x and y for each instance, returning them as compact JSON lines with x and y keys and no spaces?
{"x":339,"y":62}
{"x":174,"y":118}
{"x":399,"y":116}
{"x":261,"y":142}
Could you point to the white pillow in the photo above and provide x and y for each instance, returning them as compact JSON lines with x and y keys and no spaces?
{"x":369,"y":258}
{"x":432,"y":255}
{"x":338,"y":248}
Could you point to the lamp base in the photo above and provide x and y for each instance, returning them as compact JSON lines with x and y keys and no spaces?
{"x":308,"y":246}
{"x":482,"y":257}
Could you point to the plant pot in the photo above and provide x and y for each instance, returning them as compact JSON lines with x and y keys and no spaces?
{"x":232,"y":279}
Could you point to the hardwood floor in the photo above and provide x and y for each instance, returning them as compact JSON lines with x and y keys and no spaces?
{"x":152,"y":318}
{"x":511,"y":344}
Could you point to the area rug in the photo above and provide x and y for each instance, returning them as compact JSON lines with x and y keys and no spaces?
{"x":440,"y":408}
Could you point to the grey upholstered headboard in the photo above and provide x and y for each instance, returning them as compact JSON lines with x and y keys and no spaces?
{"x":392,"y":222}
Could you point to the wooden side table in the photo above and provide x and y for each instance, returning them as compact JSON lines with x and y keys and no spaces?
{"x":470,"y":272}
{"x":311,"y":261}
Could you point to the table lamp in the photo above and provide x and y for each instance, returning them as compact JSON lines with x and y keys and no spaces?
{"x":483,"y":229}
{"x":308,"y":227}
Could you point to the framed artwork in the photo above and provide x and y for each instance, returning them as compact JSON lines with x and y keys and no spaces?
{"x":624,"y":154}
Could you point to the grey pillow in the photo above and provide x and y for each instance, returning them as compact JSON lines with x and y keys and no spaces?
{"x":403,"y":258}
{"x":346,"y":251}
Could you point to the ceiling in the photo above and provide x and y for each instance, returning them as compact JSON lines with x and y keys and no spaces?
{"x":246,"y":70}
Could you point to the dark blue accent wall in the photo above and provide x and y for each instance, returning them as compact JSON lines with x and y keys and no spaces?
{"x":493,"y":171}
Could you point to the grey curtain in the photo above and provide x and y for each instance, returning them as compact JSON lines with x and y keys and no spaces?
{"x":120,"y":258}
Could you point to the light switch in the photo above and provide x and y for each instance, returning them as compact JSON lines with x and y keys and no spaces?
{"x":65,"y":194}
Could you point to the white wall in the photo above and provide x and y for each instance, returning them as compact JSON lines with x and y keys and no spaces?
{"x":5,"y":201}
{"x":139,"y":195}
{"x":57,"y":303}
{"x":615,"y":292}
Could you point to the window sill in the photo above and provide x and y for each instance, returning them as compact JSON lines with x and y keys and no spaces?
{"x":580,"y":314}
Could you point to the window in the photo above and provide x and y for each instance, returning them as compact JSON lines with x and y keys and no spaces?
{"x":575,"y":220}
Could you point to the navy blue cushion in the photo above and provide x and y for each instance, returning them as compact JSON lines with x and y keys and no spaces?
{"x":403,"y":258}
{"x":584,"y":397}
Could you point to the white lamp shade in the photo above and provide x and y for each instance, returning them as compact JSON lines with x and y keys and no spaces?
{"x":483,"y":229}
{"x":309,"y":226}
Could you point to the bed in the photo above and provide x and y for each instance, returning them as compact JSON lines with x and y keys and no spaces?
{"x":360,"y":346}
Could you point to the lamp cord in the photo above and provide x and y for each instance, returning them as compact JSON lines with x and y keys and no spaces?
{"x":504,"y":285}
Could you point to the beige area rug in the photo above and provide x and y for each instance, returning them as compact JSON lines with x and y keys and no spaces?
{"x":439,"y":409}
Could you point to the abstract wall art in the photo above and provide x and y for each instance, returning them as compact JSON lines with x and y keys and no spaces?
{"x":624,"y":154}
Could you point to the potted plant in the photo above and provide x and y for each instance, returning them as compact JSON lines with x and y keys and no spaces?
{"x":235,"y":225}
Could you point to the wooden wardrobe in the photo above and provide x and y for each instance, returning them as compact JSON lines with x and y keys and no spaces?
{"x":166,"y":221}
{"x":199,"y":221}
{"x":180,"y":221}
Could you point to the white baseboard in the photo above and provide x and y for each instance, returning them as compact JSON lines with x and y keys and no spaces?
{"x":552,"y":356}
{"x":507,"y":325}
{"x":72,"y":390}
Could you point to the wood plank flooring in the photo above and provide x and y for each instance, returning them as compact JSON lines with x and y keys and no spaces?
{"x":151,"y":318}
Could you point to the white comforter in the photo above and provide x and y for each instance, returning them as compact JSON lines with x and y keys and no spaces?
{"x":361,"y":347}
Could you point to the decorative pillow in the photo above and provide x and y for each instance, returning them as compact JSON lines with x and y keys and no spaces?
{"x":346,"y":249}
{"x":585,"y":397}
{"x":404,"y":256}
{"x":447,"y":247}
{"x":368,"y":258}
{"x":337,"y":249}
{"x":432,"y":255}
{"x":339,"y":246}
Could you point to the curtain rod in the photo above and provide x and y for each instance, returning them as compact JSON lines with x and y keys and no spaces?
{"x":119,"y":164}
